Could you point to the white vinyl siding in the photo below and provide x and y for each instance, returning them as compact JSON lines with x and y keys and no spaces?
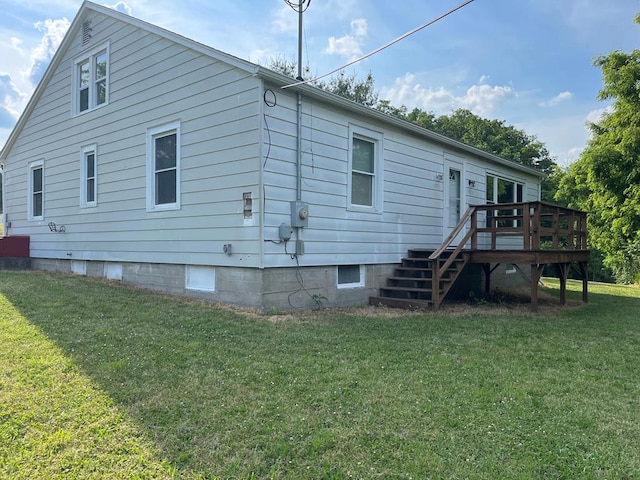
{"x":91,"y":80}
{"x":89,"y":176}
{"x":152,"y":82}
{"x":163,"y":167}
{"x":35,"y":201}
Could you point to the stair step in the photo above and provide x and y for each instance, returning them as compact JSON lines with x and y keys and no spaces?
{"x":406,"y":289}
{"x":421,"y":273}
{"x":400,"y":303}
{"x":415,"y":279}
{"x":412,"y":286}
{"x":427,"y":261}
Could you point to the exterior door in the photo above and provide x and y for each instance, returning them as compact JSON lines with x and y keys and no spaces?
{"x":454,"y":201}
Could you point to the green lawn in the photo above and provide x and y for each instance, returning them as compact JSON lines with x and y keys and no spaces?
{"x":105,"y":381}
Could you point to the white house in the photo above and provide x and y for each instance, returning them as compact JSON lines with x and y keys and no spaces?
{"x":152,"y":159}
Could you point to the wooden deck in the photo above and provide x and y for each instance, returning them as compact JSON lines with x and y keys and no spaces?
{"x":526,"y":233}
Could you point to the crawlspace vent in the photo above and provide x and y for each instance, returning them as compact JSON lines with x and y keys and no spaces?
{"x":86,"y":32}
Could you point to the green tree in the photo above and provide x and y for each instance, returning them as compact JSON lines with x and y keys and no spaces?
{"x":605,"y":181}
{"x":346,"y":85}
{"x":353,"y":88}
{"x":496,"y":137}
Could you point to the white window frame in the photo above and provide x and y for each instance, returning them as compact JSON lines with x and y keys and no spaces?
{"x":90,"y":57}
{"x":358,"y":284}
{"x":39,"y":164}
{"x":84,"y":153}
{"x":377,"y":139}
{"x":516,"y":183}
{"x":152,"y":135}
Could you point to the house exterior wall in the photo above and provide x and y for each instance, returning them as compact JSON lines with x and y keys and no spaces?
{"x":152,"y":81}
{"x":411,"y":211}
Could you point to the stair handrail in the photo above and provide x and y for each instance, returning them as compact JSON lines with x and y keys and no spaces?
{"x":454,"y":233}
{"x":435,"y":256}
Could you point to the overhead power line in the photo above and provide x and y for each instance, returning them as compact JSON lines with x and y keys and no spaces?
{"x":378,"y":50}
{"x":298,"y":5}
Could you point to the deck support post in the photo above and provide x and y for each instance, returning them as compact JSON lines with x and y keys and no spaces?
{"x":536,"y":272}
{"x":584,"y":271}
{"x":563,"y":273}
{"x":534,"y":287}
{"x":487,"y":277}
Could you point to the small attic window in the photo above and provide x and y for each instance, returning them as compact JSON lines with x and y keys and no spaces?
{"x":86,"y":32}
{"x":91,"y":80}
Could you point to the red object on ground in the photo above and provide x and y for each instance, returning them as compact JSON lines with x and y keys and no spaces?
{"x":17,"y":246}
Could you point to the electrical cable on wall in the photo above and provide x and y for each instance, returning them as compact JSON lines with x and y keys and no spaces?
{"x":378,"y":50}
{"x":269,"y":103}
{"x":318,"y":299}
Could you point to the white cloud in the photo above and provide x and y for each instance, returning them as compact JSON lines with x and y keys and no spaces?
{"x":594,"y":116}
{"x":482,"y":99}
{"x":121,"y":7}
{"x":349,"y":46}
{"x":285,"y":21}
{"x":561,"y":97}
{"x":562,"y":134}
{"x":11,"y":100}
{"x":54,"y":31}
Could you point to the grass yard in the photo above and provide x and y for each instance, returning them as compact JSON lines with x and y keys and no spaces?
{"x":105,"y":381}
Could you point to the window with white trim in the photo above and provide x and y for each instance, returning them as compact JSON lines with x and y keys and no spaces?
{"x":503,"y":190}
{"x":91,"y":80}
{"x":89,"y":176}
{"x":35,"y":202}
{"x":350,"y":276}
{"x":365,"y":183}
{"x":163,"y":167}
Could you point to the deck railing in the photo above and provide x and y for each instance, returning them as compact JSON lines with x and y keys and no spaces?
{"x":532,"y":225}
{"x":540,"y":225}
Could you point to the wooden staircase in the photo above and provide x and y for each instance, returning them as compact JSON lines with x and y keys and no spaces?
{"x":549,"y":234}
{"x":413,"y":282}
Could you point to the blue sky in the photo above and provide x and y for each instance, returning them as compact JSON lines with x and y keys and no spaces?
{"x":527,"y":62}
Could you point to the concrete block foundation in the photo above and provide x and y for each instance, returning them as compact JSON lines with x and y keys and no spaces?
{"x":269,"y":288}
{"x":262,"y":289}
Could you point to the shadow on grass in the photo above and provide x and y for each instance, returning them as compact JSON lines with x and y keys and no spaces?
{"x":225,"y":395}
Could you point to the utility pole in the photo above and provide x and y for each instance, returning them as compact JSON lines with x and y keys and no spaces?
{"x":300,"y":6}
{"x":299,"y":210}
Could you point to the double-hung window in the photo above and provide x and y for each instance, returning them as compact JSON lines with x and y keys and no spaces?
{"x":89,"y":176}
{"x":91,"y":80}
{"x":35,"y":202}
{"x":163,"y":167}
{"x":365,"y":169}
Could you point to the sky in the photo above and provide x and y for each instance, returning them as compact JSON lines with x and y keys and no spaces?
{"x":528,"y":63}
